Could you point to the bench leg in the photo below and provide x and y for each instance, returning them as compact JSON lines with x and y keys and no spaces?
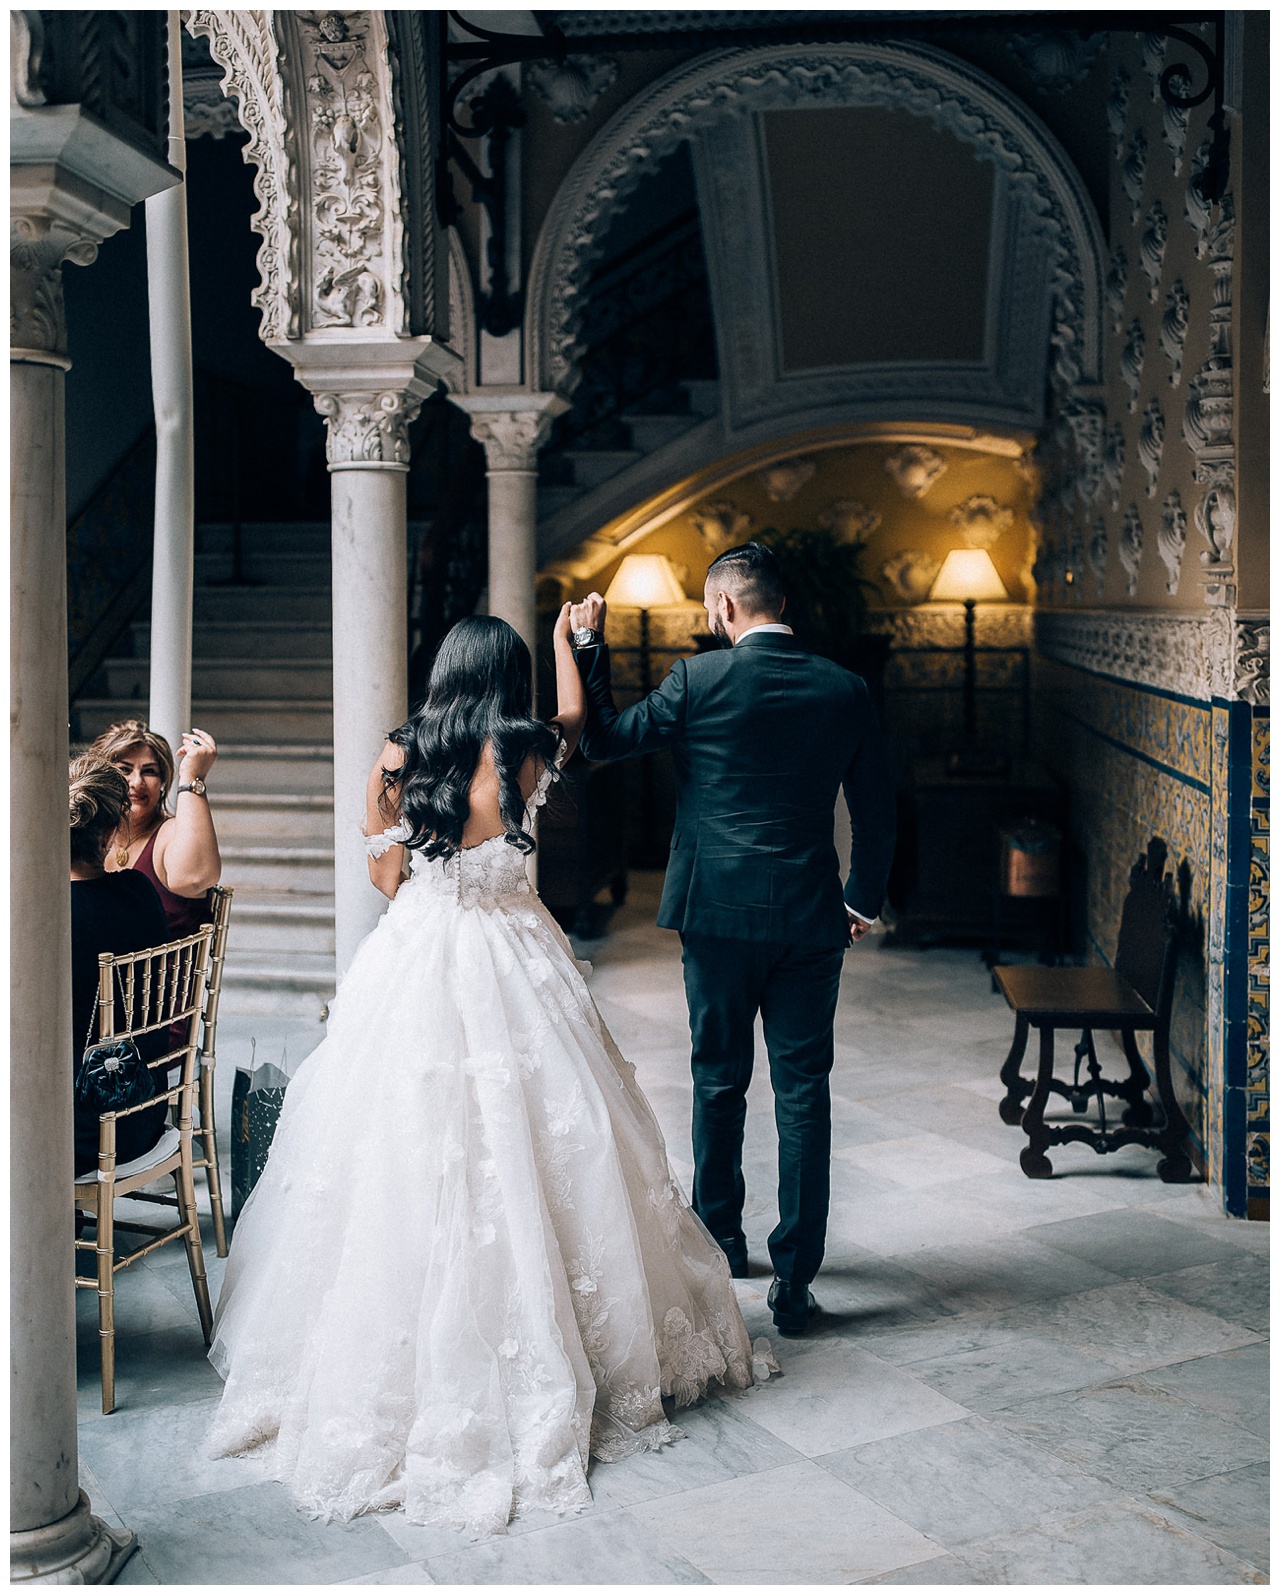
{"x":1015,"y":1086}
{"x":1174,"y":1168}
{"x":1138,"y":1112}
{"x":1035,"y":1165}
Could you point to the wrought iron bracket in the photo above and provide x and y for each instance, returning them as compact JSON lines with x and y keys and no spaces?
{"x":1212,"y":182}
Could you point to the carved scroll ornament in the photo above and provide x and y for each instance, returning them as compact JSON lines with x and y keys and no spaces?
{"x":1133,"y":173}
{"x":38,"y":246}
{"x":1118,"y":110}
{"x":1130,"y":549}
{"x":1117,"y":285}
{"x":850,"y":519}
{"x":1171,"y":540}
{"x":720,"y":525}
{"x":1132,"y":359}
{"x":784,"y":478}
{"x":1155,"y":236}
{"x":368,"y":428}
{"x":1151,"y":443}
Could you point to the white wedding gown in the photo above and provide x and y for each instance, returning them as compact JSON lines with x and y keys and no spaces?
{"x":466,"y":1266}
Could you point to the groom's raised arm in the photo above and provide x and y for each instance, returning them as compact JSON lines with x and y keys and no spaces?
{"x":644,"y":727}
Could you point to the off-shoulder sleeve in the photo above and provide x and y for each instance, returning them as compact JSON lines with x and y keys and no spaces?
{"x":383,"y":841}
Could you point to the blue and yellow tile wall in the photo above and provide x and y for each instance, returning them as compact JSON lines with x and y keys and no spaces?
{"x":1258,"y":1065}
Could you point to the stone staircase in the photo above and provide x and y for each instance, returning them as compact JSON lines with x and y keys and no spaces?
{"x":262,"y":684}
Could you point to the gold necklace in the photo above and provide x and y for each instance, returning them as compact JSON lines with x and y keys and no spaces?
{"x":122,"y":857}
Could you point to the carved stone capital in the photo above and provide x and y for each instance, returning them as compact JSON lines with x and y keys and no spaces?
{"x":38,"y":245}
{"x":368,"y":429}
{"x":512,"y":427}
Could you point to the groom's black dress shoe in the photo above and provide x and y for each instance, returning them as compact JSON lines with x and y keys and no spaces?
{"x":736,"y":1252}
{"x":793,"y":1308}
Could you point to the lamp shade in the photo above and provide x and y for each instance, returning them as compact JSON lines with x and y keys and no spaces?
{"x":645,"y":581}
{"x":968,"y":574}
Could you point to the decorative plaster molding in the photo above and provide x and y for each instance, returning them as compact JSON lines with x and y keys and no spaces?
{"x":1097,"y":552}
{"x":784,"y":478}
{"x":1056,"y":59}
{"x":1196,"y":210}
{"x":720,"y":525}
{"x":1173,"y":329}
{"x":206,"y":110}
{"x":942,"y":626}
{"x":368,"y":428}
{"x":1208,"y":422}
{"x":1133,"y":173}
{"x":1215,"y":518}
{"x":1118,"y":110}
{"x":1176,"y":118}
{"x":1130,"y":550}
{"x":981,"y":520}
{"x":1117,"y":285}
{"x":1151,"y":443}
{"x":1171,"y":652}
{"x":38,"y":247}
{"x":1253,"y":661}
{"x":573,"y":86}
{"x":1171,"y":540}
{"x":953,"y":96}
{"x":850,"y":519}
{"x":1153,"y":49}
{"x":911,"y":574}
{"x":915,"y":468}
{"x":1155,"y":236}
{"x":1086,"y":421}
{"x":1132,"y":359}
{"x":1113,"y":455}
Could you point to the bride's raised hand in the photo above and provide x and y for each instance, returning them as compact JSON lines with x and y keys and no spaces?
{"x":562,"y":630}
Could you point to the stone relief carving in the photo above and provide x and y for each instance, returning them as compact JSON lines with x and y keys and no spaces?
{"x":1132,"y":358}
{"x":368,"y":428}
{"x":1215,"y":517}
{"x":1097,"y":552}
{"x":996,"y":626}
{"x":720,"y":525}
{"x":981,"y":519}
{"x":1173,"y":329}
{"x":1175,"y":125}
{"x":850,"y":519}
{"x":1056,"y":59}
{"x":1171,"y":539}
{"x":206,"y":110}
{"x":1118,"y":110}
{"x":784,"y":478}
{"x":911,"y":574}
{"x":1172,"y":652}
{"x":38,"y":246}
{"x":573,"y":86}
{"x":915,"y":468}
{"x":1086,"y":422}
{"x":1155,"y":235}
{"x":1208,"y":422}
{"x":1113,"y":462}
{"x":1151,"y":443}
{"x":1253,"y":661}
{"x":511,"y":438}
{"x":1196,"y":210}
{"x":1117,"y":285}
{"x":1153,"y":48}
{"x":1130,"y":549}
{"x":1133,"y":173}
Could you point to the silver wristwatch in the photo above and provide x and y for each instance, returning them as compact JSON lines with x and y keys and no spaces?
{"x":585,"y":637}
{"x":196,"y":786}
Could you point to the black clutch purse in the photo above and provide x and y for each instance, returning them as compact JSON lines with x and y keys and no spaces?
{"x":113,"y":1076}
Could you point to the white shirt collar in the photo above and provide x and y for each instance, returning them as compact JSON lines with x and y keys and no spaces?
{"x":765,"y":625}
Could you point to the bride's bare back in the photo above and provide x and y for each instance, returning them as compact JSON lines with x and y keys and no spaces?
{"x":484,"y":817}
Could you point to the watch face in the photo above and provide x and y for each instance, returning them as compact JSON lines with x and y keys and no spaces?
{"x":583,"y":636}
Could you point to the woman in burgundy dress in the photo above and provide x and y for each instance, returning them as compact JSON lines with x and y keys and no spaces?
{"x":178,"y":852}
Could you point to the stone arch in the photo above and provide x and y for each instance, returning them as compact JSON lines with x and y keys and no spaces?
{"x":955,"y":97}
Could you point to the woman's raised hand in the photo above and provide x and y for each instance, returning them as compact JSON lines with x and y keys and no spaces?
{"x":562,"y":629}
{"x":197,"y":754}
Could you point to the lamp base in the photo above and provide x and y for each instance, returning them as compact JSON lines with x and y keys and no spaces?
{"x":977,"y":761}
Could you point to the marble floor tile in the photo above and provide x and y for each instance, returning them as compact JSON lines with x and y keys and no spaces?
{"x":255,"y":1535}
{"x":965,"y":1481}
{"x":1117,"y":1542}
{"x":1131,"y":1326}
{"x":1231,"y":1510}
{"x":1013,"y":1367}
{"x":869,"y":1294}
{"x":920,"y":1160}
{"x":834,"y":1395}
{"x":1232,"y":1384}
{"x":1199,"y":1208}
{"x":939,"y":1570}
{"x":143,"y":1305}
{"x":1134,"y":1436}
{"x":168,"y":1368}
{"x":1133,"y":1243}
{"x":794,"y":1525}
{"x":1237,"y":1288}
{"x":132,"y":1451}
{"x":987,"y":1276}
{"x":413,"y":1573}
{"x":137,"y":1570}
{"x":608,"y":1548}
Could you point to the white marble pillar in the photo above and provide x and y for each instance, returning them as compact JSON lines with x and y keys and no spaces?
{"x":169,"y":304}
{"x":512,"y":427}
{"x":368,"y":459}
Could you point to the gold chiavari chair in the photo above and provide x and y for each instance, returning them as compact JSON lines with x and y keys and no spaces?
{"x":159,"y":993}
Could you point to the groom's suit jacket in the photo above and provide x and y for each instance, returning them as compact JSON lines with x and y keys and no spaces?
{"x":763,"y":736}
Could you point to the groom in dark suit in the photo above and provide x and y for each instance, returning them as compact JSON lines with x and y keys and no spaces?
{"x":763,"y":736}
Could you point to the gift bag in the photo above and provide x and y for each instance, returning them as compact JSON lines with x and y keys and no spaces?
{"x":256,"y":1100}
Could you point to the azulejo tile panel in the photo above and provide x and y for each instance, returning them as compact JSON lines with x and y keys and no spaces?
{"x":1258,"y":1082}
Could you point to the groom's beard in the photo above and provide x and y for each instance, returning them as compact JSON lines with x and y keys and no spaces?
{"x":720,"y":634}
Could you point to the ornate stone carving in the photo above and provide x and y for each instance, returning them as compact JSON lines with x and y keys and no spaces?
{"x":1171,"y":540}
{"x":1118,"y":110}
{"x":1175,"y":125}
{"x":1117,"y":286}
{"x":1253,"y":661}
{"x":1215,"y":517}
{"x":1132,"y":359}
{"x":206,"y":110}
{"x":954,"y":97}
{"x":573,"y":86}
{"x":511,"y":438}
{"x":1155,"y":235}
{"x":1197,"y":211}
{"x":1056,"y":59}
{"x":981,"y":520}
{"x":26,"y":58}
{"x":38,"y":246}
{"x":915,"y":468}
{"x":1151,"y":443}
{"x":1130,"y":549}
{"x":1133,"y":173}
{"x":1208,"y":422}
{"x":1153,"y":48}
{"x":720,"y":525}
{"x":1173,"y":329}
{"x":1097,"y":551}
{"x":942,"y":626}
{"x":1171,"y":652}
{"x":368,"y":428}
{"x":1086,"y":421}
{"x":784,"y":478}
{"x":850,"y":519}
{"x":911,"y":574}
{"x":1113,"y":456}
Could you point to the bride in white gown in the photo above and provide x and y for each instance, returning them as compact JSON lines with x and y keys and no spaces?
{"x":466,"y":1268}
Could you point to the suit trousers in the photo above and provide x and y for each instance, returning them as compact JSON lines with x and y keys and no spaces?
{"x":794,"y":989}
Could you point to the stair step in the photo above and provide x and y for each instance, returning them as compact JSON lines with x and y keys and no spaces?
{"x":704,"y":395}
{"x":265,"y":604}
{"x":288,"y":929}
{"x":259,"y":640}
{"x":267,"y":767}
{"x":298,"y":869}
{"x":593,"y":466}
{"x":296,"y":987}
{"x":251,"y":679}
{"x":287,"y":818}
{"x":551,"y":499}
{"x":650,"y":432}
{"x":226,"y":719}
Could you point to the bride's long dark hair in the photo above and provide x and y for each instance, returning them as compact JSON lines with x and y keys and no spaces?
{"x":481,"y":690}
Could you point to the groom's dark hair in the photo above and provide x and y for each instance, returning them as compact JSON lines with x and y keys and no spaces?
{"x":751,"y":574}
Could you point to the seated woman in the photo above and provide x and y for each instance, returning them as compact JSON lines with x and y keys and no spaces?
{"x":117,"y":913}
{"x":178,"y":852}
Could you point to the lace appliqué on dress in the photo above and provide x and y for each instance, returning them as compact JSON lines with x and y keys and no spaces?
{"x":384,"y":841}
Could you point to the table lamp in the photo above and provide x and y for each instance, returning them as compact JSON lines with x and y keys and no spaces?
{"x":969,"y":577}
{"x":644,"y":582}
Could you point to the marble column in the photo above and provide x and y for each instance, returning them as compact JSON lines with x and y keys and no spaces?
{"x":369,"y":460}
{"x":169,"y":304}
{"x":512,"y":427}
